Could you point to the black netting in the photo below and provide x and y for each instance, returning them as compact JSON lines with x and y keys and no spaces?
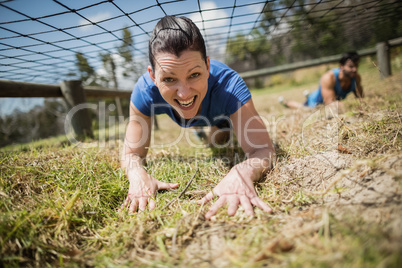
{"x":39,"y":40}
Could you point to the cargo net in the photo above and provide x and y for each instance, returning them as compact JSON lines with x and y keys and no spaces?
{"x":55,"y":40}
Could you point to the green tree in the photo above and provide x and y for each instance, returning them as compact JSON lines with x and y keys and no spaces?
{"x":248,"y":47}
{"x":388,"y":22}
{"x":316,"y":36}
{"x":110,"y":68}
{"x":270,"y":16}
{"x":38,"y":123}
{"x":125,"y":50}
{"x":86,"y":71}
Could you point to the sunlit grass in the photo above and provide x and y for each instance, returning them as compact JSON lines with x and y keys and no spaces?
{"x":59,"y":201}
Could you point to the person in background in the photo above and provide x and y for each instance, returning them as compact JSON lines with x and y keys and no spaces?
{"x":334,"y":85}
{"x":194,"y":91}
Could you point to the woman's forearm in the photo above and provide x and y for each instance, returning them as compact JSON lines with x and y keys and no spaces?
{"x":131,"y":160}
{"x":257,"y":164}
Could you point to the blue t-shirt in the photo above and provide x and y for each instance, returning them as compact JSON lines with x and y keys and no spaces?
{"x":315,"y":97}
{"x":226,"y":93}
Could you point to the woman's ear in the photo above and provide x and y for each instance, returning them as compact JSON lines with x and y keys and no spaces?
{"x":208,"y":67}
{"x":208,"y":64}
{"x":151,"y":73}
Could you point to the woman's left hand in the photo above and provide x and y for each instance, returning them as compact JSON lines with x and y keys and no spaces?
{"x":234,"y":189}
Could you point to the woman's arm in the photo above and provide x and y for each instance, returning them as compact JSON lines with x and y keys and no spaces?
{"x":254,"y":139}
{"x":237,"y":187}
{"x":137,"y":139}
{"x":143,"y":187}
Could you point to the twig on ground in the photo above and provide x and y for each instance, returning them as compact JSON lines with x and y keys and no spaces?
{"x":396,"y":136}
{"x":185,"y":189}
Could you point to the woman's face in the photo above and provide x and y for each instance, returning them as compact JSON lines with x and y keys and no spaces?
{"x":182,"y":81}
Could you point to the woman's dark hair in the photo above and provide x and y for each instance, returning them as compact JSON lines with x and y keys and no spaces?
{"x":353,"y":56}
{"x":174,"y":35}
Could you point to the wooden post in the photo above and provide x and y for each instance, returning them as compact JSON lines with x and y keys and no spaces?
{"x":156,"y":125}
{"x":384,"y":63}
{"x":80,"y":120}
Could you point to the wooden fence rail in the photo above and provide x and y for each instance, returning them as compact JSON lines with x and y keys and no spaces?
{"x":72,"y":92}
{"x":381,"y":50}
{"x":15,"y":89}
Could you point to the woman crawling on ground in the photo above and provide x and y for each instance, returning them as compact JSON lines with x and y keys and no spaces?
{"x":194,"y":91}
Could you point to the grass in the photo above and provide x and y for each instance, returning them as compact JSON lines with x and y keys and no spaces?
{"x":59,"y":201}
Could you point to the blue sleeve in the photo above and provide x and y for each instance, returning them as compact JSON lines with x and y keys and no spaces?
{"x":239,"y":92}
{"x":141,"y":97}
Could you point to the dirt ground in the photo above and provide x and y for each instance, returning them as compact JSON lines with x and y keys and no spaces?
{"x":341,"y":168}
{"x":362,"y":191}
{"x":375,"y":195}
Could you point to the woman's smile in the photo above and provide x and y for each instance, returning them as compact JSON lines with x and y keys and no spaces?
{"x":187,"y":104}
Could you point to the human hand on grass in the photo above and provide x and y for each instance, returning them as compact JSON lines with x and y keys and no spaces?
{"x":142,"y":190}
{"x":234,"y":189}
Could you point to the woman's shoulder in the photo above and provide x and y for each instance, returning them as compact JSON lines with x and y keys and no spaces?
{"x":145,"y":81}
{"x":218,"y":67}
{"x":145,"y":86}
{"x":222,"y":75}
{"x":219,"y":64}
{"x":227,"y":87}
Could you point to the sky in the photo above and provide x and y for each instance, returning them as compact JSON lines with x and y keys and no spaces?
{"x":40,"y":48}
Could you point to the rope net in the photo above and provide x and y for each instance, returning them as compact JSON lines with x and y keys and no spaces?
{"x":40,"y":40}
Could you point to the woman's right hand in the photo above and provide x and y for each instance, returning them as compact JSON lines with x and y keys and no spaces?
{"x":142,"y":190}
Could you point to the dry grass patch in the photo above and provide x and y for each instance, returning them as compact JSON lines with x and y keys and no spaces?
{"x":59,"y":205}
